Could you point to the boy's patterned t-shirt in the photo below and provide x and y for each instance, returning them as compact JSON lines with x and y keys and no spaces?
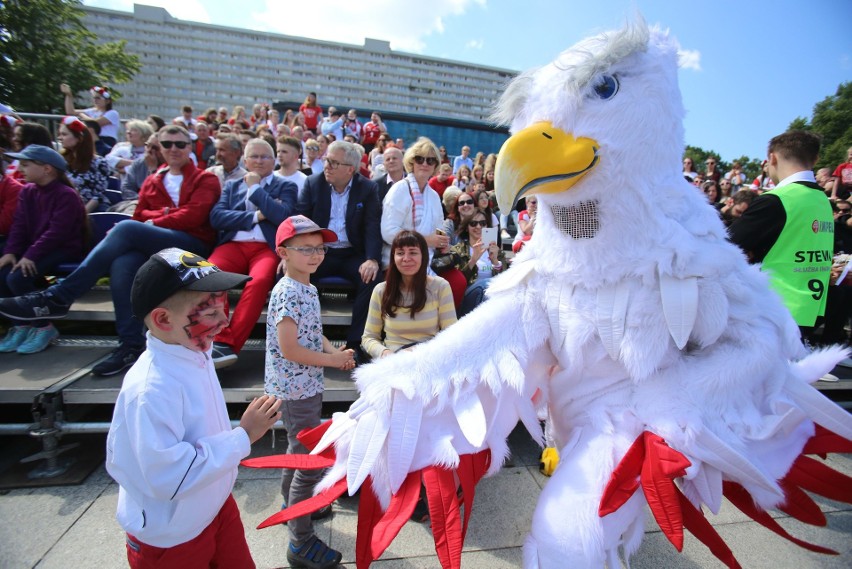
{"x":283,"y":378}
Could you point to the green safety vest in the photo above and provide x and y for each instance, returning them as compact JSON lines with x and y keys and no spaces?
{"x":799,"y":263}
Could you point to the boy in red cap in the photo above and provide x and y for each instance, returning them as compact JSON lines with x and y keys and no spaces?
{"x":296,"y":352}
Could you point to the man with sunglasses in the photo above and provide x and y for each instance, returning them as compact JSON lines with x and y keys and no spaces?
{"x":344,"y":201}
{"x":173,"y":211}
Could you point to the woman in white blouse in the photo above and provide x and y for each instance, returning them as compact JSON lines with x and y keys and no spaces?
{"x":411,"y":204}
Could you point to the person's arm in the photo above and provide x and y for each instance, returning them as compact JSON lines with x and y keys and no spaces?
{"x":835,"y":183}
{"x":223,"y":217}
{"x":288,"y":339}
{"x":278,"y":207}
{"x":305,"y":200}
{"x":759,"y":227}
{"x":173,"y":468}
{"x":394,"y":212}
{"x":69,"y":99}
{"x":372,"y":222}
{"x":371,"y":341}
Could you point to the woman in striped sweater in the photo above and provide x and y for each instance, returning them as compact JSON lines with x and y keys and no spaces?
{"x":409,"y":307}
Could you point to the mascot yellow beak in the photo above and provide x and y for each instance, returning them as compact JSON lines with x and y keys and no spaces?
{"x":541,"y":159}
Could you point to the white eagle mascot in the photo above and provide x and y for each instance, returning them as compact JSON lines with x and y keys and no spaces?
{"x":657,"y":351}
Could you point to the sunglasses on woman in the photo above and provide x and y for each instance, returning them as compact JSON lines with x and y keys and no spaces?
{"x":481,"y":223}
{"x":167,"y":144}
{"x":465,"y":202}
{"x":430,"y":160}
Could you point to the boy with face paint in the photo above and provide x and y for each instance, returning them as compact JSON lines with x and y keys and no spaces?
{"x":170,"y":446}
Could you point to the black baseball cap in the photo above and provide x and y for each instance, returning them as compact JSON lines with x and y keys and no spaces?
{"x":172,"y":270}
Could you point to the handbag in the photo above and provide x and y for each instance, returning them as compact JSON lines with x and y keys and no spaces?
{"x":443,"y":261}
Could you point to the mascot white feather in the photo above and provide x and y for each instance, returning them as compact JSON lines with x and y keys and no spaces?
{"x":659,"y":353}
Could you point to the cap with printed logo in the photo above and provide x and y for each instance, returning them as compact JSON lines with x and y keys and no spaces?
{"x":175,"y":269}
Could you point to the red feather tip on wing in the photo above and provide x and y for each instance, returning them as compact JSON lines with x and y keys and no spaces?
{"x":662,"y":465}
{"x":625,"y":478}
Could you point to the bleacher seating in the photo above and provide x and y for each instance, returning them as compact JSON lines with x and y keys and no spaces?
{"x":101,"y":223}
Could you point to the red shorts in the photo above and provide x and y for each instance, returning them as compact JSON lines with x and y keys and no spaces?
{"x":221,"y":544}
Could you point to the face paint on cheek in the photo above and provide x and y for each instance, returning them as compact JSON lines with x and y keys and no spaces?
{"x":206,"y":320}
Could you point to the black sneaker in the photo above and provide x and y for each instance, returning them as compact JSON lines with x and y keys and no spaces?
{"x":313,"y":554}
{"x":118,"y":361}
{"x":223,"y":355}
{"x":34,"y":306}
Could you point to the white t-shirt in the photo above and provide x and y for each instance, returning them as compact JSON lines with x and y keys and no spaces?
{"x":111,"y":129}
{"x":296,"y":177}
{"x":172,"y":183}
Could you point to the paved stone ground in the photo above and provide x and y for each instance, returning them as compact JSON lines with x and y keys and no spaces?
{"x":74,"y":526}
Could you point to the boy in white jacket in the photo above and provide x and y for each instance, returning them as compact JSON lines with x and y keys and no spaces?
{"x":171,"y":447}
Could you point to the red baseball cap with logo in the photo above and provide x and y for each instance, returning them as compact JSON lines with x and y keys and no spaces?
{"x":299,"y":225}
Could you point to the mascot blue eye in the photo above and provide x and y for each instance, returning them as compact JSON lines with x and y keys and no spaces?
{"x":607,"y":87}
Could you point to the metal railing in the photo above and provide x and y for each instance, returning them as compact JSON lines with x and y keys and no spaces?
{"x":52,"y":122}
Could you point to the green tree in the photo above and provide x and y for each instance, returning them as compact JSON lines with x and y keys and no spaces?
{"x":832,"y":119}
{"x":44,"y":43}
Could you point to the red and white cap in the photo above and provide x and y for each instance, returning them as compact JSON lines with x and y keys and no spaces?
{"x":299,"y":225}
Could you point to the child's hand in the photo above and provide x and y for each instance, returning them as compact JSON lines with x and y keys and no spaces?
{"x":344,"y":359}
{"x":261,"y":414}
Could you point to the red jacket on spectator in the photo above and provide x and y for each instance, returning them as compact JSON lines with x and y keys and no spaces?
{"x":9,"y":190}
{"x":199,"y":192}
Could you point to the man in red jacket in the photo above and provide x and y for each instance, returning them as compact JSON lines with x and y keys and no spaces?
{"x":173,"y":211}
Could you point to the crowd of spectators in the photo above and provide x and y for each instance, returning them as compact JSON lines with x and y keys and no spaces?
{"x":326,"y":164}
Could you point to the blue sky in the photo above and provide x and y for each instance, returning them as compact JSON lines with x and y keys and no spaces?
{"x":753,"y":66}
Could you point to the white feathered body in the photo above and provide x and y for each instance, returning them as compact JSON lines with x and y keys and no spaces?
{"x":653,"y":323}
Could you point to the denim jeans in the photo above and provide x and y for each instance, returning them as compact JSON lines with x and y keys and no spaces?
{"x":14,"y":283}
{"x":473,"y":297}
{"x":125,"y":248}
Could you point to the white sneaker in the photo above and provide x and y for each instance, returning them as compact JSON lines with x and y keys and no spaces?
{"x":829,"y":377}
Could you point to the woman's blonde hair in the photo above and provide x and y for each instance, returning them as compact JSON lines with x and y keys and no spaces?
{"x":423,"y":147}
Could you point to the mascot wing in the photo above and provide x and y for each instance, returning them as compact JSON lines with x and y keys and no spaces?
{"x":439,"y":413}
{"x":460,"y":393}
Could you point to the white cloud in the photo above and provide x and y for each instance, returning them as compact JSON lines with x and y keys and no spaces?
{"x":405,"y":25}
{"x":689,"y":59}
{"x":192,"y":10}
{"x":475,"y":44}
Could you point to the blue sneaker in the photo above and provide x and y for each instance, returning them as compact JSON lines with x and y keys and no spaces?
{"x":34,"y":306}
{"x":313,"y":554}
{"x":38,"y":339}
{"x":14,"y":338}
